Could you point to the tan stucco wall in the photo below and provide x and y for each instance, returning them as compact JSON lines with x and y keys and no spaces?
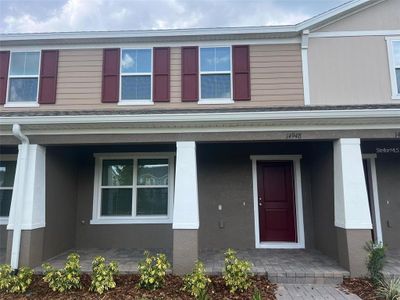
{"x":276,"y":79}
{"x":383,"y":16}
{"x":349,"y":70}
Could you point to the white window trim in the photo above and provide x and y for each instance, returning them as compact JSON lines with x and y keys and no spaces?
{"x":23,"y":103}
{"x":392,"y":68}
{"x":215,"y":100}
{"x":96,"y":212}
{"x":136,"y":101}
{"x":300,"y":244}
{"x":375,"y":195}
{"x":7,"y":157}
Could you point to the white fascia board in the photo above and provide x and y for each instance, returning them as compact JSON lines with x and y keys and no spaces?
{"x":148,"y":33}
{"x":202,"y":117}
{"x":333,"y":13}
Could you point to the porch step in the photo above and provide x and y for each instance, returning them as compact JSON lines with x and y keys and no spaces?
{"x":308,"y":277}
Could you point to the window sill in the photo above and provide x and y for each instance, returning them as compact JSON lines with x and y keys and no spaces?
{"x":3,"y":220}
{"x":216,"y":101}
{"x":21,"y":104}
{"x":135,"y":102}
{"x":395,"y":97}
{"x":122,"y":220}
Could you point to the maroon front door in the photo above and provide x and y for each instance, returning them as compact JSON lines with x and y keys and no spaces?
{"x":276,"y":201}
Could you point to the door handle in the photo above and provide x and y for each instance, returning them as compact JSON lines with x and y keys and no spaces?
{"x":259,"y":201}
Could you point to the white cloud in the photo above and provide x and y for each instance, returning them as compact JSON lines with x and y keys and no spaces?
{"x":78,"y":15}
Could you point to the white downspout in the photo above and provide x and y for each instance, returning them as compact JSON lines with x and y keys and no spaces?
{"x":18,"y":206}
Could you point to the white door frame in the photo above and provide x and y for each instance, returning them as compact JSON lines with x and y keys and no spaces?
{"x":375,"y":196}
{"x":300,"y":244}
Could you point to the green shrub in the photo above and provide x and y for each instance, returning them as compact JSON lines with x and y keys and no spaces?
{"x":375,"y":261}
{"x":64,"y":279}
{"x":103,"y":275}
{"x":196,"y":282}
{"x":17,"y":283}
{"x":236,"y":272}
{"x":389,"y":290}
{"x":153,"y":270}
{"x":256,"y":295}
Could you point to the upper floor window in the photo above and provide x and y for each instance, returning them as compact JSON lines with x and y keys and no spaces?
{"x":7,"y":174}
{"x":136,"y":75}
{"x":215,"y":74}
{"x":394,"y":61}
{"x":24,"y":77}
{"x":133,"y":189}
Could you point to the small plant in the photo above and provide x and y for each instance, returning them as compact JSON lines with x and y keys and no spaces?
{"x":256,"y":295}
{"x":153,"y":270}
{"x":389,"y":290}
{"x":236,"y":272}
{"x":64,"y":279}
{"x":103,"y":275}
{"x":17,"y":283}
{"x":196,"y":282}
{"x":376,"y":261}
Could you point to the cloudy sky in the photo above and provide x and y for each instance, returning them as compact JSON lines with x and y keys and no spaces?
{"x":78,"y":15}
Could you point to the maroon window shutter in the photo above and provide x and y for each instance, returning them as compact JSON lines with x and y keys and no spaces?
{"x":190,"y":74}
{"x":110,"y":89}
{"x":48,"y":77}
{"x":4,"y":63}
{"x":161,"y":73}
{"x":241,"y":73}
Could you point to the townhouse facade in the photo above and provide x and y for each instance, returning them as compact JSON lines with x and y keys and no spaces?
{"x":281,"y":137}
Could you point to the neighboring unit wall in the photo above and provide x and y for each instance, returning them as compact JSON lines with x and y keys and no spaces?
{"x":354,"y":69}
{"x":349,"y":71}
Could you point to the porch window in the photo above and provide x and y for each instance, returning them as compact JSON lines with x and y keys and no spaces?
{"x":133,"y":188}
{"x":7,"y":174}
{"x":136,"y":82}
{"x":394,"y":63}
{"x":24,"y":77}
{"x":215,"y":74}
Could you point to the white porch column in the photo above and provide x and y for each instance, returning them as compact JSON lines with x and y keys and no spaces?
{"x":352,"y":213}
{"x":27,"y":211}
{"x":186,"y":209}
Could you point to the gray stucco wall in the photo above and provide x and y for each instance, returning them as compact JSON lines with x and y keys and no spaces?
{"x":61,"y":192}
{"x":388,"y":176}
{"x":322,"y":190}
{"x":225,"y":178}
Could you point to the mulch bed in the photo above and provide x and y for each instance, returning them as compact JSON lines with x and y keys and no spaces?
{"x":362,"y":287}
{"x":127,"y":289}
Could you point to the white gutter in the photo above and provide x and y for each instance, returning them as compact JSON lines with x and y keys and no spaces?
{"x":18,"y":205}
{"x":203,"y":117}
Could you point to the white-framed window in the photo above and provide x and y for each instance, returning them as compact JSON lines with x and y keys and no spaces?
{"x":8,"y":164}
{"x":133,"y":188}
{"x":136,"y":86}
{"x":23,"y":78}
{"x":215,"y":64}
{"x":394,"y":65}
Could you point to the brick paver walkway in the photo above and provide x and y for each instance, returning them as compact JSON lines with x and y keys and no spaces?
{"x":283,"y":266}
{"x":311,"y":291}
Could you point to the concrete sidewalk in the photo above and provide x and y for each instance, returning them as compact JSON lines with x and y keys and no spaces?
{"x":311,"y":291}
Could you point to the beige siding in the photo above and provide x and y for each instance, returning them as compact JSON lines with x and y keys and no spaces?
{"x":383,"y":16}
{"x":276,"y":75}
{"x":352,"y":70}
{"x":276,"y":80}
{"x":79,"y":77}
{"x":176,"y":74}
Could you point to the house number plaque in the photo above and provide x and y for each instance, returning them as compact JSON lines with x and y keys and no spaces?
{"x":294,"y":136}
